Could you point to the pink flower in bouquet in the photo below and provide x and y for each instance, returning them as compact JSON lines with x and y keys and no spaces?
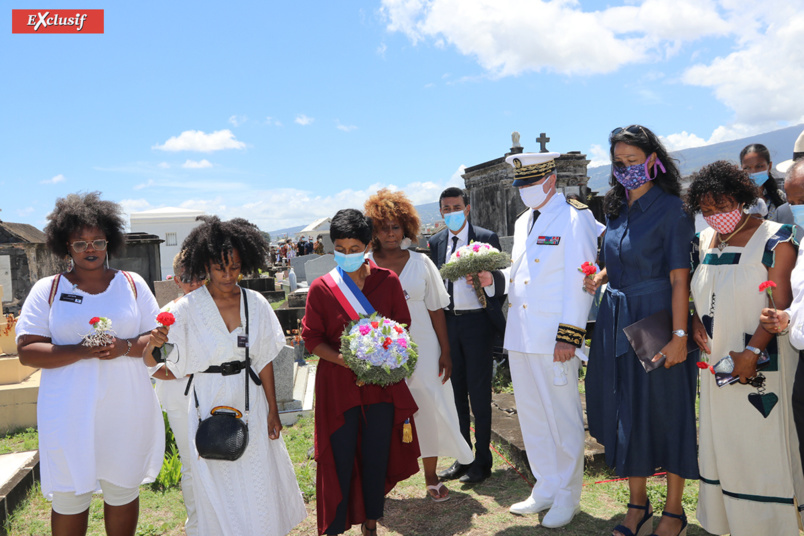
{"x":364,"y":329}
{"x":402,"y":342}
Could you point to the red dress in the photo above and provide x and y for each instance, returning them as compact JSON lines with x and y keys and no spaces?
{"x":336,"y":392}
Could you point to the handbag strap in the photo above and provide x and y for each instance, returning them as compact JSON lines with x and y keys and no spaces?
{"x":248,"y":372}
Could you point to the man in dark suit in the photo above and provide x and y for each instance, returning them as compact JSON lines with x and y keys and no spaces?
{"x":471,"y":330}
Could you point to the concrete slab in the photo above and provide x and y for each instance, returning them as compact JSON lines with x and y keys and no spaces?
{"x":18,"y":473}
{"x":18,"y":403}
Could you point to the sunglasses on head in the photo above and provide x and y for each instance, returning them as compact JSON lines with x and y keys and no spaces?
{"x":82,"y":245}
{"x":633,"y":129}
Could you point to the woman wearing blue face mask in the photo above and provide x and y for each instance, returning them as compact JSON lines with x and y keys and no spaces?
{"x":358,"y":429}
{"x":755,"y":160}
{"x":646,"y":420}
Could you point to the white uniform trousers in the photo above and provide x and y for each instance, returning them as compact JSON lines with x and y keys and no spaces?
{"x":551,"y":420}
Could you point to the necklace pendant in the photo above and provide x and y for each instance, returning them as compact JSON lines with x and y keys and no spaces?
{"x":722,"y":246}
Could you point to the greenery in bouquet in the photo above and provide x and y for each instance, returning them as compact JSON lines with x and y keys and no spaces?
{"x":472,"y":259}
{"x":378,"y":350}
{"x":101,"y":334}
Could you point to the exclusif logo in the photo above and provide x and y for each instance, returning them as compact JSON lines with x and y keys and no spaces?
{"x":51,"y":21}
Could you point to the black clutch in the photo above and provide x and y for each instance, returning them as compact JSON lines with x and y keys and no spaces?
{"x":223,"y":435}
{"x":649,"y":335}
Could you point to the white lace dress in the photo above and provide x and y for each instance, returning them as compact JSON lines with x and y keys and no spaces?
{"x":257,"y":494}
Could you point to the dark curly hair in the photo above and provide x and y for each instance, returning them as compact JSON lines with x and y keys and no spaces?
{"x":385,"y":206}
{"x":79,"y":211}
{"x":720,"y":181}
{"x":350,"y":223}
{"x":214,"y":240}
{"x":648,"y":142}
{"x":769,"y":188}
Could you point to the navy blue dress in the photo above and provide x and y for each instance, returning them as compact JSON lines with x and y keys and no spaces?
{"x":646,"y":421}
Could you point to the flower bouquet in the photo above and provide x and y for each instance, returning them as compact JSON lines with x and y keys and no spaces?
{"x":472,"y":259}
{"x":102,"y":333}
{"x":378,"y":350}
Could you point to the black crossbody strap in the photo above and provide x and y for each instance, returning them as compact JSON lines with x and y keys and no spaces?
{"x":248,"y":343}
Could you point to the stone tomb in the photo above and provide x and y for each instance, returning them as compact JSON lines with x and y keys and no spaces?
{"x":319,"y":266}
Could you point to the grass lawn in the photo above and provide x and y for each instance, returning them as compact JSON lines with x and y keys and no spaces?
{"x":477,"y":510}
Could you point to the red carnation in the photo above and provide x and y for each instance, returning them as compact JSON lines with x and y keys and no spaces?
{"x":398,"y":329}
{"x":768,"y":287}
{"x":588,"y":269}
{"x":703,"y":365}
{"x":166,"y":318}
{"x":375,"y":325}
{"x":387,"y":342}
{"x":94,"y":320}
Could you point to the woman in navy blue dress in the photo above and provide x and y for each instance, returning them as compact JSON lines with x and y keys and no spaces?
{"x":646,"y":421}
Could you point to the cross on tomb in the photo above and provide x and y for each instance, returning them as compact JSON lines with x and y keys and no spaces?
{"x":542,"y":140}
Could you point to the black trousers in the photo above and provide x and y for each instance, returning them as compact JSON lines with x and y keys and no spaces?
{"x":376,"y":422}
{"x":798,"y":404}
{"x":471,"y":341}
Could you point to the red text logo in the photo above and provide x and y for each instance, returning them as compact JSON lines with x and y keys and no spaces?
{"x":52,"y":21}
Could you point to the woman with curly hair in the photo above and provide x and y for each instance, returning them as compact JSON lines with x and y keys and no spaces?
{"x":645,"y":420}
{"x":257,"y":493}
{"x":100,"y":427}
{"x":359,"y":442}
{"x":755,"y":159}
{"x":750,"y":470}
{"x":396,"y":224}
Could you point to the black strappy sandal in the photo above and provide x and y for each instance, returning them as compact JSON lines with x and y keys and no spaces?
{"x":682,"y":517}
{"x":643,"y":528}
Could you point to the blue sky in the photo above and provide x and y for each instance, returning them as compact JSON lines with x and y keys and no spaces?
{"x":283,"y":112}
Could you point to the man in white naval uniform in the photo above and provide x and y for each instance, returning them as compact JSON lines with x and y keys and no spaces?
{"x":548,"y":310}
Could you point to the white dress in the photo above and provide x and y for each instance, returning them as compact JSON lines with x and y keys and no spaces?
{"x":98,"y":419}
{"x":257,"y":494}
{"x":437,"y":418}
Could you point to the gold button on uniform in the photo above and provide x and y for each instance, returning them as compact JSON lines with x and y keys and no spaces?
{"x":510,"y":305}
{"x":524,"y":305}
{"x":536,"y":260}
{"x":511,"y":280}
{"x":526,"y":281}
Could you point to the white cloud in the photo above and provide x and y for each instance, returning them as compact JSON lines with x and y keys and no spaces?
{"x":682,"y":140}
{"x":163,"y":165}
{"x":192,"y":164}
{"x":273,"y":121}
{"x":237,"y":120}
{"x":509,"y":37}
{"x":381,"y":50}
{"x":345,"y":128}
{"x":135,"y":205}
{"x":303,"y":120}
{"x":55,"y":180}
{"x":197,"y":140}
{"x":761,"y":80}
{"x":598,"y":156}
{"x":144,"y":185}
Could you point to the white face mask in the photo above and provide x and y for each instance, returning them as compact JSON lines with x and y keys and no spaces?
{"x":534,"y":196}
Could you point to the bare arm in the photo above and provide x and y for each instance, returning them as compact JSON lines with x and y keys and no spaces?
{"x":40,"y":352}
{"x":274,"y":423}
{"x":439,"y":321}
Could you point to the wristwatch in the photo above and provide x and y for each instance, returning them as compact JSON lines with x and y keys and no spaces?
{"x":680,"y":333}
{"x":756,"y":351}
{"x":129,"y":346}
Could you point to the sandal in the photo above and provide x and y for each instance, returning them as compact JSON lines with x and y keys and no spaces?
{"x":682,"y":517}
{"x":435,"y":492}
{"x":367,"y":531}
{"x":643,"y":528}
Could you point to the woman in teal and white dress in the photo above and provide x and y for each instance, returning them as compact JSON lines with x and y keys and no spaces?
{"x":751,"y":475}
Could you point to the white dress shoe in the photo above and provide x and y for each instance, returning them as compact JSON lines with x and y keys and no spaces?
{"x":530,"y":506}
{"x":558,"y":516}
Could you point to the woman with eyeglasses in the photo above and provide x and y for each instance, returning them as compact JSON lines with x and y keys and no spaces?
{"x":750,"y":469}
{"x":100,"y":427}
{"x":755,"y":159}
{"x":645,"y":420}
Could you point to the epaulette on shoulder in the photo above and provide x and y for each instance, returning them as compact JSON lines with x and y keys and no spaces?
{"x":577,"y":204}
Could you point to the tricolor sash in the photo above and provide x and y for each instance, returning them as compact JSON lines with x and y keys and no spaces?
{"x":349,"y":296}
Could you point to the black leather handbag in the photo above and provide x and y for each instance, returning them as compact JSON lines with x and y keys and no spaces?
{"x":224,"y":434}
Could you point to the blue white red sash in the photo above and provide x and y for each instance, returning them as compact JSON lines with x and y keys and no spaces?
{"x":349,"y":296}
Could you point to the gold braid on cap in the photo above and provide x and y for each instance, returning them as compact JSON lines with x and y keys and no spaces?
{"x":570,"y":334}
{"x":533,"y":171}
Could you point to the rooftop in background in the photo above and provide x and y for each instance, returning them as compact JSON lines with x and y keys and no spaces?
{"x":20,"y":232}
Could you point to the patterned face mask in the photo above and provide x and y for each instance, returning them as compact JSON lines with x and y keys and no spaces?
{"x":725,"y":222}
{"x":632,"y":177}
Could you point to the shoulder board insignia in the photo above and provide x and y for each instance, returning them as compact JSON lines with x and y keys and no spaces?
{"x":577,"y":204}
